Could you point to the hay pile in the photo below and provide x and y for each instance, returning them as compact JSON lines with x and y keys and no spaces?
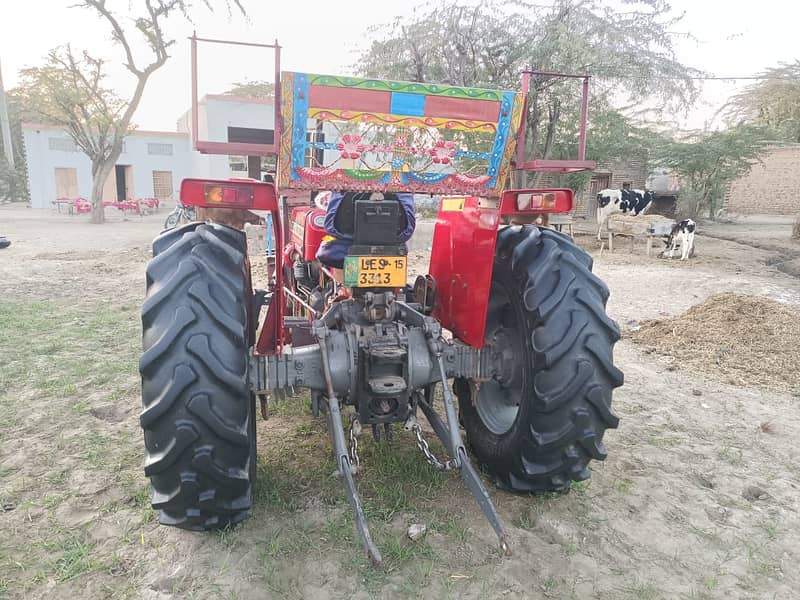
{"x":743,"y":339}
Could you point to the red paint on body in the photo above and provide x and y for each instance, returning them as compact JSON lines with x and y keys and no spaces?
{"x":462,"y":108}
{"x":352,"y":99}
{"x":461,"y":263}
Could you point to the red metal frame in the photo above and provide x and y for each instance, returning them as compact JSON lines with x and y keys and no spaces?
{"x":554,"y":166}
{"x":235,"y":148}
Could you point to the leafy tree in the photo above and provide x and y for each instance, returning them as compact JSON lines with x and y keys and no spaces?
{"x":628,"y":52}
{"x":708,"y":162}
{"x":773,"y":102}
{"x":611,"y":136}
{"x":69,"y":89}
{"x":253,"y":89}
{"x":14,"y":182}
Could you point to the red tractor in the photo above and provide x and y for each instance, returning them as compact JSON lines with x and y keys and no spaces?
{"x":529,"y":348}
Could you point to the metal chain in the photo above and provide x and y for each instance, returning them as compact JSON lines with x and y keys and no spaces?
{"x":447,"y":465}
{"x":355,"y":462}
{"x":355,"y":431}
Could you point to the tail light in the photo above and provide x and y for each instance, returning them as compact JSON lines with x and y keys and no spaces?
{"x":232,"y":193}
{"x":537,"y":201}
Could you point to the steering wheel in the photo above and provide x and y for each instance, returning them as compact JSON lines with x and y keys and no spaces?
{"x":321,"y":200}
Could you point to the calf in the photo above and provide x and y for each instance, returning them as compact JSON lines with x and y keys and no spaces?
{"x":682,"y":232}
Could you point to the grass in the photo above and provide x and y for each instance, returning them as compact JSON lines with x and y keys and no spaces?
{"x":74,"y":558}
{"x":66,"y":369}
{"x":64,"y":360}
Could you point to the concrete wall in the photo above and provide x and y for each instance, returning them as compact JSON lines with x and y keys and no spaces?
{"x":771,"y":188}
{"x":43,"y":160}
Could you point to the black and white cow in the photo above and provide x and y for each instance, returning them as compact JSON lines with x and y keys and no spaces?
{"x":609,"y":202}
{"x":683,"y":233}
{"x":640,"y":201}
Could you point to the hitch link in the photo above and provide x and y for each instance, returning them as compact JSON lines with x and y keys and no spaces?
{"x":450,"y":436}
{"x":342,"y":451}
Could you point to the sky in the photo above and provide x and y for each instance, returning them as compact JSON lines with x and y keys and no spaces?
{"x":325,"y":36}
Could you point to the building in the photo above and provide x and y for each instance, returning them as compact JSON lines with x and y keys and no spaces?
{"x":232,"y":119}
{"x":152,"y":163}
{"x":772,"y":187}
{"x":612,"y":175}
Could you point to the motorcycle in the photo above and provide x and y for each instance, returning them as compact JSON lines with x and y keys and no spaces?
{"x":180,"y":213}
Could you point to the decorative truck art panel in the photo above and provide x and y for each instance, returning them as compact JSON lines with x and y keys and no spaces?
{"x":373,"y":135}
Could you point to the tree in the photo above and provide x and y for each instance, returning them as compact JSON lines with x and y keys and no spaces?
{"x":773,"y":102}
{"x":69,"y":89}
{"x":629,"y":54}
{"x":14,"y":182}
{"x":708,"y":162}
{"x":253,"y":89}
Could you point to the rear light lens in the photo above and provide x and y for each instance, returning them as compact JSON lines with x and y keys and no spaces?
{"x":229,"y":195}
{"x":545,"y":201}
{"x":550,"y":200}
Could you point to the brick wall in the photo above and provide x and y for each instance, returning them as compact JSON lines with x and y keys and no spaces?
{"x":619,"y":172}
{"x":771,"y":188}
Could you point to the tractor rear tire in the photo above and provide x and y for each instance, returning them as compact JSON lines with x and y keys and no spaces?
{"x":199,"y":413}
{"x":536,"y":427}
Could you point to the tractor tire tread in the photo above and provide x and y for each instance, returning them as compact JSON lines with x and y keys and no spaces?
{"x":572,"y":371}
{"x":197,"y":407}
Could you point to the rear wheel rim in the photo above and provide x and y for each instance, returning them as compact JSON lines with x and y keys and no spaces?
{"x":498,"y":400}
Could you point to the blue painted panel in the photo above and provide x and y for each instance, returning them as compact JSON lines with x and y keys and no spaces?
{"x":503,"y":125}
{"x":412,"y":105}
{"x":300,"y":119}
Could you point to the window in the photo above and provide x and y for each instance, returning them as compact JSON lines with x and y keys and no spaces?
{"x":62,"y":144}
{"x":248,"y":135}
{"x":238,"y":163}
{"x":66,"y":183}
{"x":159,"y":149}
{"x":162,"y":185}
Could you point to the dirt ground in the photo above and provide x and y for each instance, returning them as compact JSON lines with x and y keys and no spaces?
{"x":698,"y":497}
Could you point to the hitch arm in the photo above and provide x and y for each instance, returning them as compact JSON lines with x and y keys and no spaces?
{"x":342,"y":456}
{"x":468,"y":473}
{"x":450,"y":436}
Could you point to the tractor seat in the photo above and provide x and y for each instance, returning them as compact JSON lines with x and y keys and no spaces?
{"x":340,"y":224}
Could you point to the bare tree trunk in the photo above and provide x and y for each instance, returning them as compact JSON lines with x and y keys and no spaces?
{"x":100,"y":174}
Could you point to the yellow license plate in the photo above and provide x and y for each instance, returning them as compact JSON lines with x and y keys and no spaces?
{"x":375,"y":271}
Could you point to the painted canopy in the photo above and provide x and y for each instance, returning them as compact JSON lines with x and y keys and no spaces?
{"x":367,"y":134}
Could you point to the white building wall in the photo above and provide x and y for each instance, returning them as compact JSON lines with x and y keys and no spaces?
{"x":138,"y":155}
{"x":42,"y":164}
{"x":44,"y":160}
{"x":215,"y":115}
